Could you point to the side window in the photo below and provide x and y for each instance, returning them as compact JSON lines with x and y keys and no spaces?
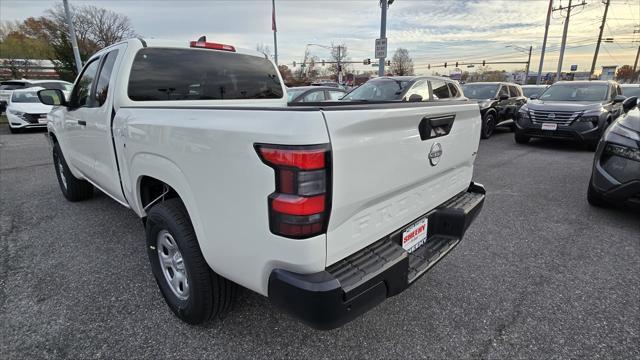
{"x":503,"y":91}
{"x":440,"y":89}
{"x":82,"y":90}
{"x":316,"y":96}
{"x":453,"y":89}
{"x":419,"y":88}
{"x":335,"y":95}
{"x":102,"y":88}
{"x":514,"y":91}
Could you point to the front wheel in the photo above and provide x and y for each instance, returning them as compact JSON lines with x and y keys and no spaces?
{"x":521,"y":139}
{"x":594,"y":198}
{"x":488,"y":125}
{"x":190,"y":288}
{"x":72,"y":188}
{"x":14,"y":130}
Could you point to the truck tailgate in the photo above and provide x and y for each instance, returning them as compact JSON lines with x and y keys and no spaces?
{"x":383,"y":178}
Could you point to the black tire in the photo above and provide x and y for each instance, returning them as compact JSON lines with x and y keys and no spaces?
{"x":512,"y":126}
{"x":209,"y":295}
{"x":488,"y":125}
{"x":72,"y":188}
{"x":594,"y":198}
{"x":521,"y":139}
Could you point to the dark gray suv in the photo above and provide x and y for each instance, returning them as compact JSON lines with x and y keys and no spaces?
{"x":571,"y":110}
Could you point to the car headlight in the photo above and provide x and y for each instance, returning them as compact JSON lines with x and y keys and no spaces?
{"x":589,"y":117}
{"x":16,"y":112}
{"x":624,"y":131}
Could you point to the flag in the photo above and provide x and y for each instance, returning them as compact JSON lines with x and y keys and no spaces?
{"x":273,"y":15}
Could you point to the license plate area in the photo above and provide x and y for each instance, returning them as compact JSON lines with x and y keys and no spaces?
{"x":549,"y":126}
{"x":412,"y":236}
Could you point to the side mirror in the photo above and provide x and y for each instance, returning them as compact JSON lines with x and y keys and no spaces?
{"x":629,"y":103}
{"x":53,"y":97}
{"x":415,"y":98}
{"x":504,"y":97}
{"x":619,"y":99}
{"x":533,"y":97}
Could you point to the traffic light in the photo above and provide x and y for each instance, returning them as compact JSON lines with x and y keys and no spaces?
{"x":366,"y":62}
{"x":322,"y":62}
{"x":294,"y":64}
{"x":388,"y":63}
{"x":429,"y":66}
{"x":456,"y":64}
{"x":445,"y":65}
{"x":339,"y":68}
{"x":483,"y":62}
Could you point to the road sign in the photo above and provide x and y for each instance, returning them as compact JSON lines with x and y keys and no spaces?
{"x":574,"y":67}
{"x":381,"y":48}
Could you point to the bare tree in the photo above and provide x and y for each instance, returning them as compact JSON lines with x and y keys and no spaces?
{"x":401,"y":63}
{"x":339,"y":53}
{"x":265,"y":49}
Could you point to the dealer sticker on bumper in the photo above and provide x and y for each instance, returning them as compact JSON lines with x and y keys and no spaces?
{"x":415,"y":235}
{"x":549,"y":126}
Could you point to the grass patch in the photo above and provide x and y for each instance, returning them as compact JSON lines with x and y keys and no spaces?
{"x":3,"y":119}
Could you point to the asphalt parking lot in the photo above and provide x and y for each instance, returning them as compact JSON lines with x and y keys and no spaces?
{"x":540,"y":274}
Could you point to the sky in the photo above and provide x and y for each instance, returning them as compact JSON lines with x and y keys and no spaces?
{"x":434,"y":31}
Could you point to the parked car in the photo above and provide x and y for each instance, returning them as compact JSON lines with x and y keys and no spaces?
{"x":314,"y":94}
{"x":629,"y":90}
{"x":25,"y":111}
{"x":615,"y":177}
{"x":234,"y":186}
{"x":571,"y":110}
{"x":499,"y":103}
{"x":7,"y":87}
{"x":406,"y":88}
{"x":533,"y":90}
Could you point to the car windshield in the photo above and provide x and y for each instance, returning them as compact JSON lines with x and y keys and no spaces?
{"x":25,"y":97}
{"x":530,"y":91}
{"x":631,"y":91}
{"x":293,"y":93}
{"x":575,"y":92}
{"x":378,"y":90}
{"x":479,"y":91}
{"x":55,"y":85}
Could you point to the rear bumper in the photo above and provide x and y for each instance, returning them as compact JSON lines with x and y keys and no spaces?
{"x":349,"y":288}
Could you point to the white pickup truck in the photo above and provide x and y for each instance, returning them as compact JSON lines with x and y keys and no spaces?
{"x":325,"y":208}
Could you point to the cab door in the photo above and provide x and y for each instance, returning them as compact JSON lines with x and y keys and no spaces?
{"x":98,"y":129}
{"x":502,"y":106}
{"x":77,"y":150}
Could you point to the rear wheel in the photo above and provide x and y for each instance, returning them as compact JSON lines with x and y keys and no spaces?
{"x":190,"y":288}
{"x":488,"y":125}
{"x":72,"y":188}
{"x":594,"y":198}
{"x":521,"y":139}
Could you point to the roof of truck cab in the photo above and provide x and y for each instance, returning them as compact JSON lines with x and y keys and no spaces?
{"x":185,"y":44}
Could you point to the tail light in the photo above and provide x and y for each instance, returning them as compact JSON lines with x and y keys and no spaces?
{"x":299,"y":207}
{"x":210,"y":45}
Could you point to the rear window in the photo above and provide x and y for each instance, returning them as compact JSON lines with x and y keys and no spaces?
{"x":25,"y":97}
{"x":12,"y":85}
{"x":192,"y":74}
{"x":55,"y":85}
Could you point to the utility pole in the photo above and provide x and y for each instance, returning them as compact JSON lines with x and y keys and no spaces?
{"x":544,"y":42}
{"x":339,"y":65}
{"x":275,"y":30}
{"x":72,"y":33}
{"x":564,"y":35}
{"x":526,"y":72}
{"x":595,"y":55}
{"x":384,"y":4}
{"x":635,"y":63}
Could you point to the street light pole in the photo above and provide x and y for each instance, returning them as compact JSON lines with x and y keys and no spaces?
{"x":72,"y":33}
{"x":526,"y":76}
{"x":383,"y":32}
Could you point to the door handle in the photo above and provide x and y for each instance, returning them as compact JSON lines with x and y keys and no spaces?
{"x":436,"y":126}
{"x":82,"y":122}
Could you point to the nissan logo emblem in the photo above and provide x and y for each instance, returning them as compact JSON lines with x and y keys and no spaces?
{"x":551,"y":116}
{"x":435,"y":153}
